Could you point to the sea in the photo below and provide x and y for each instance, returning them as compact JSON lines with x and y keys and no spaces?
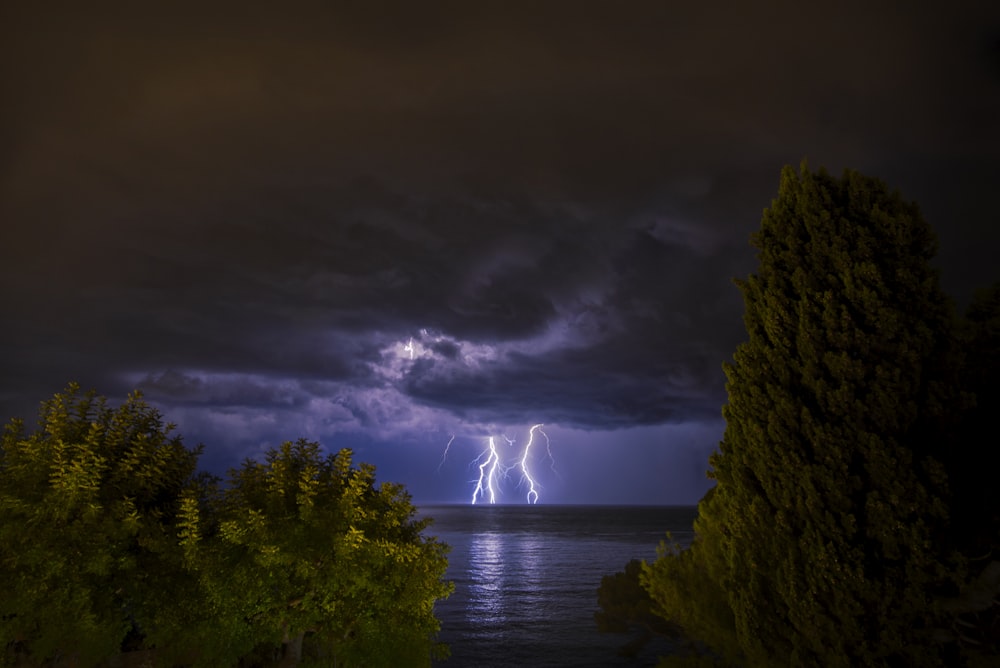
{"x":526,"y":580}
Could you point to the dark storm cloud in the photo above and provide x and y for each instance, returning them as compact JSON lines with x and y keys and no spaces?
{"x":647,"y":352}
{"x":187,"y":389}
{"x":573,"y":389}
{"x":250,"y":213}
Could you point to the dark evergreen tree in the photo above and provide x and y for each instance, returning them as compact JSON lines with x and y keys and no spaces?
{"x":625,"y":606}
{"x":816,"y":545}
{"x":975,"y":499}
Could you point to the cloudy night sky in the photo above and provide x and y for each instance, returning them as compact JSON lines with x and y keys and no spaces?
{"x":403,"y":225}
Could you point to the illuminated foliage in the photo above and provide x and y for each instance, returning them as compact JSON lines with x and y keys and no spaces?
{"x":816,"y":545}
{"x":307,"y":553}
{"x":626,"y":605}
{"x":88,"y":504}
{"x":110,"y":541}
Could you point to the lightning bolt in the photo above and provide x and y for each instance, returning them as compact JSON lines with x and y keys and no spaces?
{"x":532,"y":492}
{"x":548,"y":450}
{"x":492,"y":461}
{"x":491,"y":467}
{"x":444,"y":455}
{"x":408,"y":348}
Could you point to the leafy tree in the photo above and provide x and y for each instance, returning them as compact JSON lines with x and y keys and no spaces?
{"x":625,"y":605}
{"x":109,"y":540}
{"x":974,"y":501}
{"x":308,"y":552}
{"x":688,"y":592}
{"x":87,"y":507}
{"x":815,"y":547}
{"x":975,"y":498}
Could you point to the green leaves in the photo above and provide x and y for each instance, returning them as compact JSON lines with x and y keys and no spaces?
{"x":319,"y":552}
{"x":815,"y":547}
{"x":107,"y":531}
{"x":81,"y":522}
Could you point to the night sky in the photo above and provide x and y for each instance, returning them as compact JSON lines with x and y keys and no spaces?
{"x":408,"y":224}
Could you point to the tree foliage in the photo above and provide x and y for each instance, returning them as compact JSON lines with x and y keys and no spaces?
{"x":816,"y":545}
{"x":110,"y":540}
{"x":308,"y":545}
{"x":975,"y":496}
{"x":88,"y":504}
{"x":626,"y":605}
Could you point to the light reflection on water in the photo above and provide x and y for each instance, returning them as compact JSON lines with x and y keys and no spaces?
{"x":486,"y":580}
{"x":526,"y":580}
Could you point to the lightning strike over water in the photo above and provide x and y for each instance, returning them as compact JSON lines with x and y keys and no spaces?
{"x":493,"y":461}
{"x":524,"y":463}
{"x":491,"y":467}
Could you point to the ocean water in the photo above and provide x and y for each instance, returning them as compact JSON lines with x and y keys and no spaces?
{"x":526,"y":580}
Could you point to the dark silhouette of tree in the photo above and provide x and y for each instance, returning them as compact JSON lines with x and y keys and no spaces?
{"x":816,"y":545}
{"x":975,"y":496}
{"x":974,"y":499}
{"x":626,"y":605}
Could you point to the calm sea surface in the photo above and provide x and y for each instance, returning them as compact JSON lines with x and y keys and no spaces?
{"x":526,"y":580}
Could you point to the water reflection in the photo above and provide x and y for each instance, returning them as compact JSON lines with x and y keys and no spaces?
{"x":526,"y":580}
{"x":486,"y":576}
{"x":506,"y":575}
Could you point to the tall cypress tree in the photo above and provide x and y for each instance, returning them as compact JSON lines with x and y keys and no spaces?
{"x":815,"y":547}
{"x":975,"y":498}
